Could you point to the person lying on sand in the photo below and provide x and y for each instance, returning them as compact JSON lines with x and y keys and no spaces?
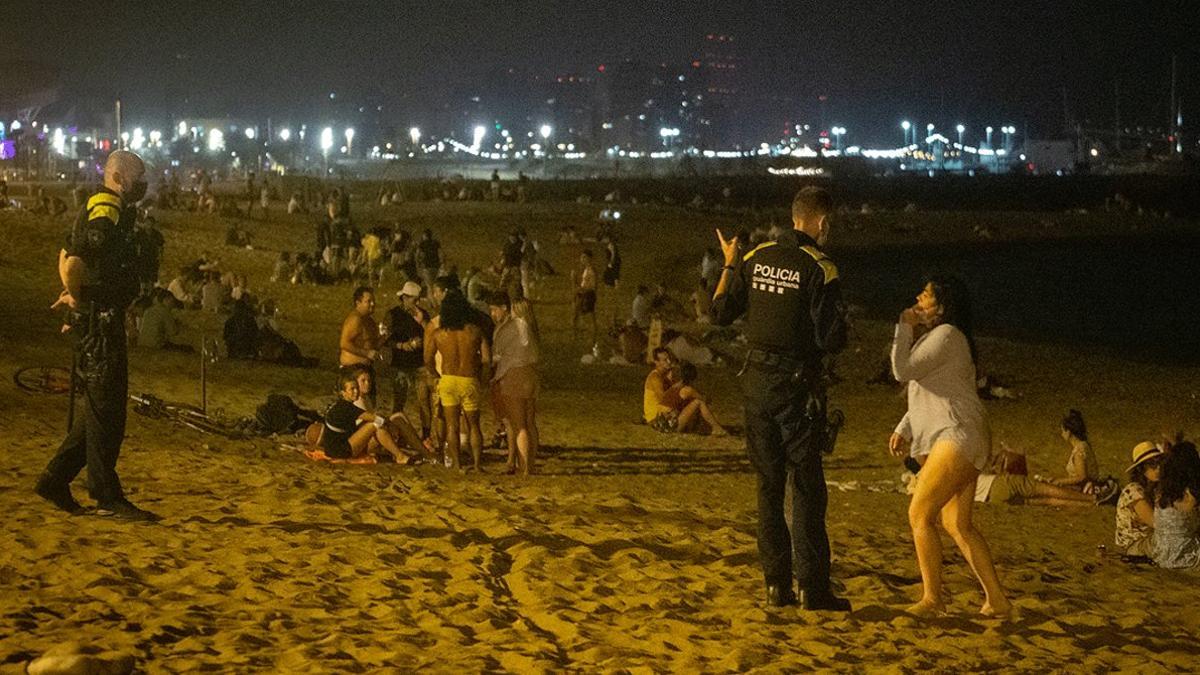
{"x":352,"y":432}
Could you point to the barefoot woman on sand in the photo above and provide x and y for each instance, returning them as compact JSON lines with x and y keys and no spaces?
{"x":934,"y":352}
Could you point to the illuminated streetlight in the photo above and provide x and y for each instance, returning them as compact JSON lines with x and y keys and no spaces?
{"x":906,"y":125}
{"x":216,"y":140}
{"x":182,"y":129}
{"x":1008,"y":131}
{"x":545,"y":131}
{"x":960,"y":129}
{"x":16,"y":125}
{"x":415,"y":134}
{"x":250,"y":133}
{"x":156,"y":138}
{"x":989,"y":136}
{"x":480,"y":132}
{"x":285,"y":134}
{"x":349,"y":141}
{"x":326,"y":144}
{"x":838,"y":132}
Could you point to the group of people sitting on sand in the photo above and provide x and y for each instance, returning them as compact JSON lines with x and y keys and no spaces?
{"x":453,"y":355}
{"x":1157,"y":517}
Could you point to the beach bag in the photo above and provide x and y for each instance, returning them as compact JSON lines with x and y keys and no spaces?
{"x":278,"y":415}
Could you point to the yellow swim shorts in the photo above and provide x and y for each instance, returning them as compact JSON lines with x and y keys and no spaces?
{"x":456,"y":390}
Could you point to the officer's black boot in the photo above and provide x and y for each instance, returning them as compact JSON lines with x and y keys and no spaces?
{"x":779,"y":595}
{"x":58,"y":495}
{"x":124,"y":510}
{"x":825,"y":601}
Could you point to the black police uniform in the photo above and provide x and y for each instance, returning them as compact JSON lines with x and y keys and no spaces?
{"x":789,"y":291}
{"x":103,"y":237}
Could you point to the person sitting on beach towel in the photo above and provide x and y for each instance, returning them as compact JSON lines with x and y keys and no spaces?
{"x":351,"y":432}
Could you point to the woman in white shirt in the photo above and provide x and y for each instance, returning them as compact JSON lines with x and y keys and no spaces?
{"x":515,"y":382}
{"x":945,"y":425}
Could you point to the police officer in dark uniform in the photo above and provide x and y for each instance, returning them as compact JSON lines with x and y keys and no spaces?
{"x":789,"y":292}
{"x":99,"y":269}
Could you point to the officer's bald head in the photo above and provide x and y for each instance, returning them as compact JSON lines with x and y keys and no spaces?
{"x":122,"y":170}
{"x":124,"y":162}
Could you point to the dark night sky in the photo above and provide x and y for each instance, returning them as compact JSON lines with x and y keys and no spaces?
{"x":976,"y":62}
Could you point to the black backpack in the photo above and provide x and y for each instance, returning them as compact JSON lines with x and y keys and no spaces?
{"x":278,"y":415}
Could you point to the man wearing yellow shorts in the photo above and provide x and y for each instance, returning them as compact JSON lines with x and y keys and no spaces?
{"x":458,"y":342}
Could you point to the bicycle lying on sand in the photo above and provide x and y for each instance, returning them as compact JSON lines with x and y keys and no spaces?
{"x":57,"y":380}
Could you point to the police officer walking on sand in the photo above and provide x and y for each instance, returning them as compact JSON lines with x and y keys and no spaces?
{"x":791,"y":297}
{"x":99,"y":273}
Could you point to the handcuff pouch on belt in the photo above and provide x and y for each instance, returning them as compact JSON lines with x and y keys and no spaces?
{"x":823,"y":425}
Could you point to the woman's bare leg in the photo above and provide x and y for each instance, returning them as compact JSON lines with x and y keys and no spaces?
{"x":517,"y":426}
{"x":687,"y":416}
{"x":531,"y":427}
{"x":402,"y":428}
{"x":709,"y":417}
{"x":510,"y":438}
{"x":361,"y":441}
{"x":1061,"y":496}
{"x":956,"y":518}
{"x":944,"y":475}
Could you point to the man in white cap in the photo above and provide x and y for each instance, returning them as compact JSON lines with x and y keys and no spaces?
{"x":406,"y":323}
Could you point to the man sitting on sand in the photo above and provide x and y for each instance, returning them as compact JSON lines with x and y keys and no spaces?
{"x":159,"y":323}
{"x":654,"y":411}
{"x":459,"y":342}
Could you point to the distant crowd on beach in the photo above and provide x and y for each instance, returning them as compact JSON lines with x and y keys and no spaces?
{"x":491,"y":307}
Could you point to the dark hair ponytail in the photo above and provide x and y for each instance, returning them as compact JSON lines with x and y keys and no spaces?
{"x":955,"y":300}
{"x":1073,"y":423}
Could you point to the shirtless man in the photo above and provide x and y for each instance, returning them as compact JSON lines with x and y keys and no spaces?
{"x":463,"y":351}
{"x":361,"y":342}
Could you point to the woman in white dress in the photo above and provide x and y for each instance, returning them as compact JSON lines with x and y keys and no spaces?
{"x":946,"y":427}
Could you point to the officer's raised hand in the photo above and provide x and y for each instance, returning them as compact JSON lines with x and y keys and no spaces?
{"x":65,"y":298}
{"x":729,"y":248}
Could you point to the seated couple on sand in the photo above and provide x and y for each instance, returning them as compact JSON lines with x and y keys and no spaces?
{"x":350,"y":431}
{"x":670,"y":402}
{"x":1157,"y":516}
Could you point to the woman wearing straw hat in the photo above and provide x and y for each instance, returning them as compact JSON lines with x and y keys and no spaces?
{"x":1135,"y":508}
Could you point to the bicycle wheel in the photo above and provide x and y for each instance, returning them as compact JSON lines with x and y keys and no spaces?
{"x":43,"y":379}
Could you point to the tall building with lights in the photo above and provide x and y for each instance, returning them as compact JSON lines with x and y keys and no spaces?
{"x":721,"y":73}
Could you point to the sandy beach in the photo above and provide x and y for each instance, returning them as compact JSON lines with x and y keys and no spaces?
{"x":631,"y":551}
